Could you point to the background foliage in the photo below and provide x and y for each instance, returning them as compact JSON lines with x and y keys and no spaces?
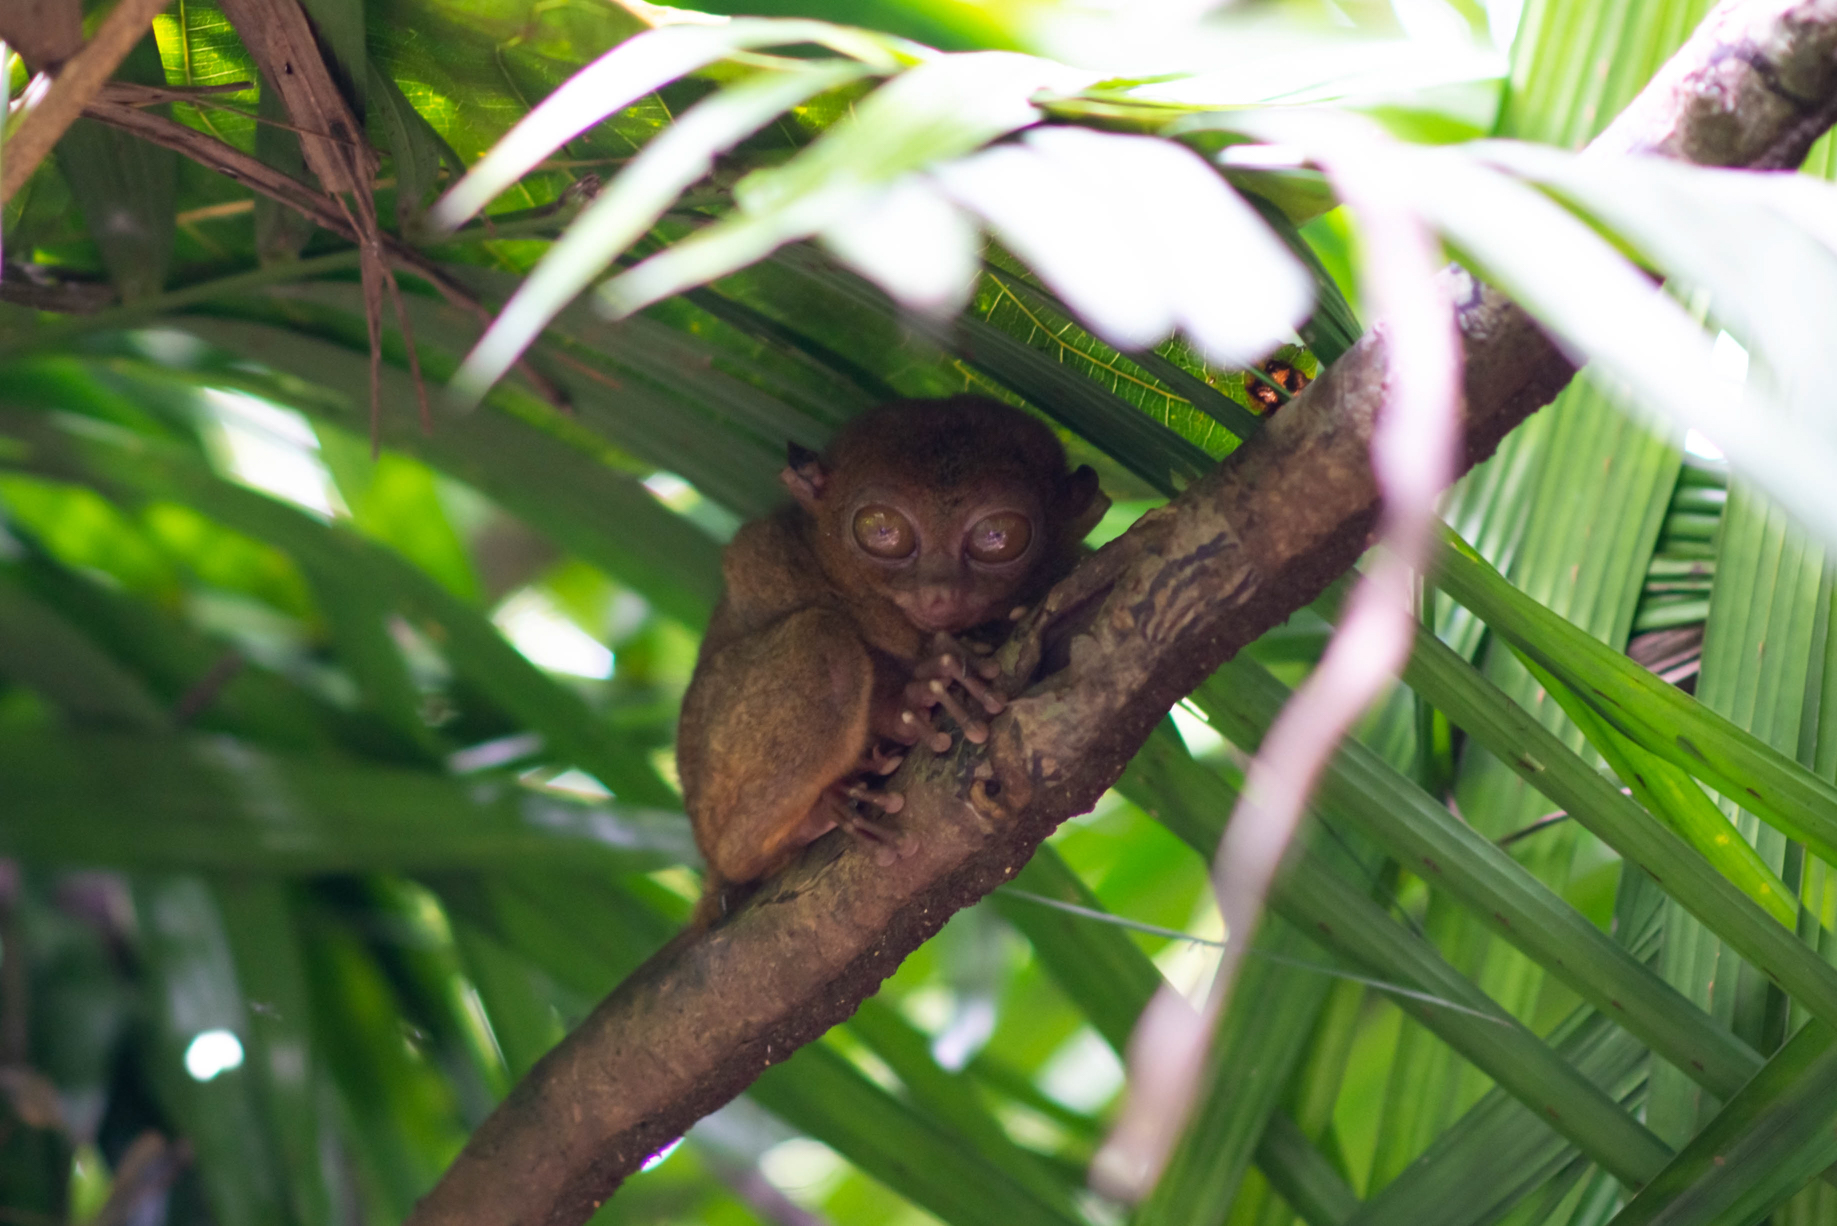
{"x":366,"y":762}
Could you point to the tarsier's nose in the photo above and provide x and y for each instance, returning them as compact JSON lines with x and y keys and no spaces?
{"x":937,"y":606}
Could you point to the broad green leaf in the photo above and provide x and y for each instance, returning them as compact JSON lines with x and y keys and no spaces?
{"x":1630,"y":331}
{"x":1674,"y":796}
{"x":1135,"y":234}
{"x":817,"y":1091}
{"x":1103,"y":972}
{"x":193,"y":989}
{"x":401,"y":1114}
{"x":1657,"y":716}
{"x":1717,"y":231}
{"x":1243,"y":700}
{"x":1474,"y":705}
{"x":946,"y":1096}
{"x":396,"y":499}
{"x":1321,"y":901}
{"x":264,"y":941}
{"x":471,"y":644}
{"x":598,"y":512}
{"x":1576,"y":63}
{"x":1256,"y":1049}
{"x":205,"y":802}
{"x":1302,"y":1174}
{"x":1491,"y":1158}
{"x":633,"y":202}
{"x":961,"y":24}
{"x":127,"y":188}
{"x":1153,"y":453}
{"x":1157,"y":384}
{"x":39,"y":649}
{"x":414,"y":146}
{"x":943,"y":108}
{"x":627,"y":73}
{"x":1763,"y":1146}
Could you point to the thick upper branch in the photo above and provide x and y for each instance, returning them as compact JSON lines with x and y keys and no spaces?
{"x":1163,"y":606}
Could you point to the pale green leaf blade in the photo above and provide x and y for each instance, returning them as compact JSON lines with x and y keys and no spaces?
{"x":631,"y":204}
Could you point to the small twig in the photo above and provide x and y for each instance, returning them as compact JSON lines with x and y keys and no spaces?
{"x":15,"y":982}
{"x":1319,"y":968}
{"x":1542,"y":823}
{"x":317,"y":206}
{"x":151,"y":1165}
{"x":76,"y":85}
{"x":132,"y":93}
{"x":206,"y":690}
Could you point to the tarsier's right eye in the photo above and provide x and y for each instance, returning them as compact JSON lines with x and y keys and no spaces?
{"x":884,"y":532}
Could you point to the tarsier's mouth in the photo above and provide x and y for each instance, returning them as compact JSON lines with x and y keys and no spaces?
{"x":952,"y":617}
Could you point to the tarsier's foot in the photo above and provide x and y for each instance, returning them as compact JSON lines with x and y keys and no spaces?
{"x":952,"y":667}
{"x":886,"y":841}
{"x":877,"y":760}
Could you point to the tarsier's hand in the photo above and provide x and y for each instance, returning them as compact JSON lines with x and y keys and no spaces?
{"x":951,"y":667}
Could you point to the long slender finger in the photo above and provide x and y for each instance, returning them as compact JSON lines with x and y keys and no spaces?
{"x":957,"y":667}
{"x":888,"y":846}
{"x":991,"y":701}
{"x":974,"y":730}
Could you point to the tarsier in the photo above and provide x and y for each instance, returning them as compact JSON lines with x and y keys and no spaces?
{"x":835,"y":646}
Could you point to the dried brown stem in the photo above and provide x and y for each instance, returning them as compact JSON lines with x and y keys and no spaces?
{"x":317,"y":206}
{"x":1177,"y":596}
{"x":77,"y":82}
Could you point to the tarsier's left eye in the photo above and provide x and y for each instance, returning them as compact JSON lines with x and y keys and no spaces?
{"x":1001,"y":537}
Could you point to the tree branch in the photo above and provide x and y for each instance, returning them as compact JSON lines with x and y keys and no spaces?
{"x":1157,"y":610}
{"x":78,"y":80}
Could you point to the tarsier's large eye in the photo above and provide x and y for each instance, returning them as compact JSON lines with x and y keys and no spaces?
{"x":884,"y":532}
{"x":1001,"y":537}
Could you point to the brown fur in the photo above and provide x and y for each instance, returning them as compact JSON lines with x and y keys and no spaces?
{"x":809,"y":656}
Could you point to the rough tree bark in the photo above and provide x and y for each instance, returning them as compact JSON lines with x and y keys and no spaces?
{"x":1156,"y":612}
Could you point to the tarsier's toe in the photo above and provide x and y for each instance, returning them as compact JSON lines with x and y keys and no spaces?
{"x":878,"y":760}
{"x":886,"y":802}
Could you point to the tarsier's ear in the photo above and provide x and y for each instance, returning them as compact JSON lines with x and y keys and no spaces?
{"x":1081,"y":503}
{"x":803,"y":475}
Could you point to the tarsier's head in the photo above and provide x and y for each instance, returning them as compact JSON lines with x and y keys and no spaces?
{"x":952,"y":509}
